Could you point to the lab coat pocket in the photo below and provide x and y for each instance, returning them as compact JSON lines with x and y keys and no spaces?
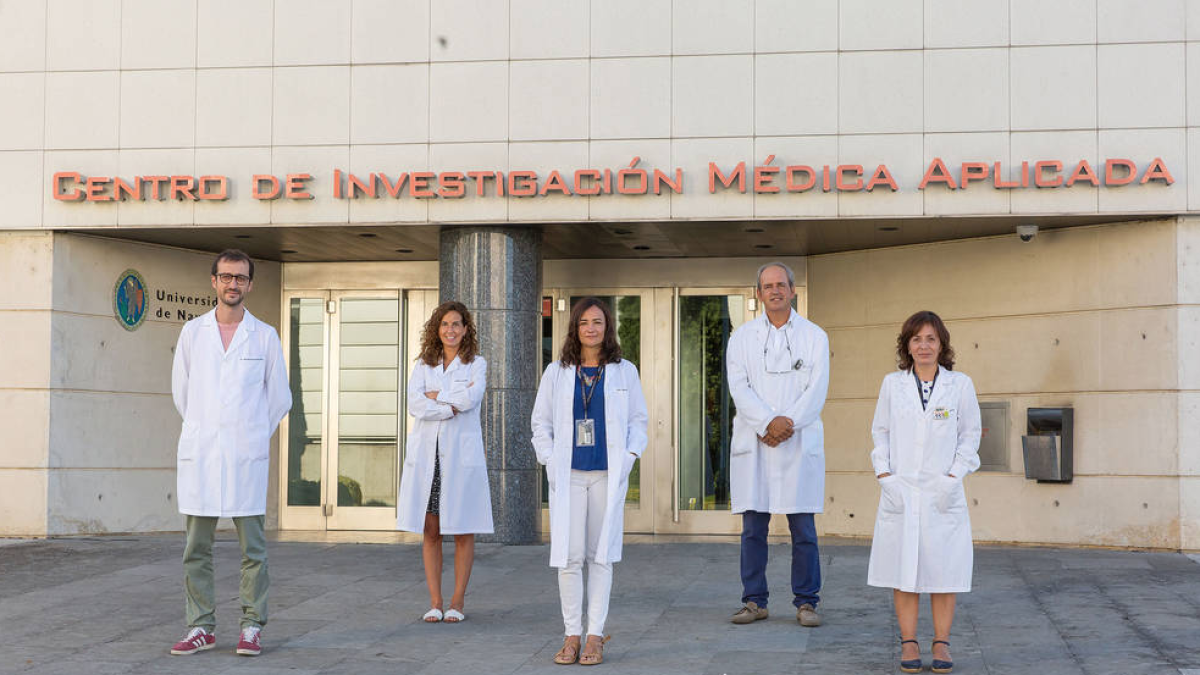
{"x":744,"y":439}
{"x":950,"y":497}
{"x":252,"y":370}
{"x":891,"y":497}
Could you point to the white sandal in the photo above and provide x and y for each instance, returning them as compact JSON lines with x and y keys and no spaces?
{"x":435,"y":614}
{"x":456,"y":615}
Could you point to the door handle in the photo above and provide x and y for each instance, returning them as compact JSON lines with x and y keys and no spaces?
{"x":328,"y":510}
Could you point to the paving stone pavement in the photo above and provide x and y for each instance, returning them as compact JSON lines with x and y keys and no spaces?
{"x":115,"y":605}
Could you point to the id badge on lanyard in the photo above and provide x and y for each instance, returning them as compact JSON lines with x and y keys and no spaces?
{"x":585,"y":433}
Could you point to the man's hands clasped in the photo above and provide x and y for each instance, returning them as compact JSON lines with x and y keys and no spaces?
{"x":779,"y":430}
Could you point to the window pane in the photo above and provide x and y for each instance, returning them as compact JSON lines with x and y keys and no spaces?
{"x":307,"y":376}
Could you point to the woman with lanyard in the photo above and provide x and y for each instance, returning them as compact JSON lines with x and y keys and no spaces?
{"x":444,"y":486}
{"x":926,"y":434}
{"x":589,"y":427}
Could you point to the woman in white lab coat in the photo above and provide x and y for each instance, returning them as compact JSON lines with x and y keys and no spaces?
{"x":926,"y":434}
{"x":589,"y":427}
{"x":444,"y":485}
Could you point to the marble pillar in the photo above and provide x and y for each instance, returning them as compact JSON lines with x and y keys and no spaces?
{"x":496,"y":271}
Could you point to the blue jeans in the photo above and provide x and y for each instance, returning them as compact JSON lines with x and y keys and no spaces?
{"x":806,"y":564}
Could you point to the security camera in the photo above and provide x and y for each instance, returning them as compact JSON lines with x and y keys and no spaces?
{"x":1026,"y":233}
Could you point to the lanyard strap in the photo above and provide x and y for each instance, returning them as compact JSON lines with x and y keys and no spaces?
{"x":586,"y":389}
{"x":920,"y":391}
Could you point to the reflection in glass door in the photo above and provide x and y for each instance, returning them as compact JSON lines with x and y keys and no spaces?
{"x":706,"y":410}
{"x":343,"y":431}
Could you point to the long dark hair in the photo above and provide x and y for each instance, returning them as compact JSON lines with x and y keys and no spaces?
{"x":911,"y":327}
{"x":431,"y":343}
{"x":610,"y":349}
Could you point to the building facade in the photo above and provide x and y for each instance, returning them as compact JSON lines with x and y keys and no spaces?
{"x":377,"y":156}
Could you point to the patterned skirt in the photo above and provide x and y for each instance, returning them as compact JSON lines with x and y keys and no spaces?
{"x":435,"y":491}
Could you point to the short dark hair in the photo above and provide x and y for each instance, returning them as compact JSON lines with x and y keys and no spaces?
{"x":233,"y":255}
{"x":610,"y":349}
{"x":911,"y":327}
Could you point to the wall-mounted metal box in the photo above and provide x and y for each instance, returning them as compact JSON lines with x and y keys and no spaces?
{"x":1048,"y":446}
{"x":993,"y":444}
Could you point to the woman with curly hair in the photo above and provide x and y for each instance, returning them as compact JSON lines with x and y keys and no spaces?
{"x":926,"y":432}
{"x":444,"y":486}
{"x":589,"y":427}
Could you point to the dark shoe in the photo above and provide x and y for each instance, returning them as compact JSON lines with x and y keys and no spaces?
{"x":749,"y":614}
{"x":911,"y":665}
{"x":939,"y":666}
{"x":807,"y":615}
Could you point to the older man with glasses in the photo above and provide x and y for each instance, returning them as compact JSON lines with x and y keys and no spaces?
{"x":778,"y":368}
{"x":230,"y":385}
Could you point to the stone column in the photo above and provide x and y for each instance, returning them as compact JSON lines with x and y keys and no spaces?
{"x":497,"y":273}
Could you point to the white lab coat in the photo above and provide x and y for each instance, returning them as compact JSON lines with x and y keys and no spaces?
{"x":231,"y":402}
{"x":466,"y":501}
{"x":789,"y":478}
{"x":922,"y":540}
{"x":625,"y":420}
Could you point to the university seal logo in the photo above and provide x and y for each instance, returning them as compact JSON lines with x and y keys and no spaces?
{"x":129,"y":299}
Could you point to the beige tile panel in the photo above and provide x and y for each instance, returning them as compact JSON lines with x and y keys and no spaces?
{"x":787,"y":26}
{"x":1061,"y":270}
{"x":712,"y":96}
{"x":389,"y":31}
{"x":468,"y":101}
{"x":1036,"y":22}
{"x":712,"y":26}
{"x":631,"y":28}
{"x":848,"y":441}
{"x":234,"y":33}
{"x":23,"y":116}
{"x":23,"y":510}
{"x":543,"y":158}
{"x":25,"y":360}
{"x":863,"y":24}
{"x":880,"y":91}
{"x":101,"y":430}
{"x":616,"y":155}
{"x":312,"y":32}
{"x":25,"y":418}
{"x":311,"y":106}
{"x":630,"y":98}
{"x":82,"y":110}
{"x":21,"y":185}
{"x":548,"y":100}
{"x":1053,"y":87}
{"x":83,"y":35}
{"x":966,"y":89}
{"x":101,"y":502}
{"x":549,"y":29}
{"x":860,"y":358}
{"x":165,"y":211}
{"x":233,"y":106}
{"x":1192,"y":82}
{"x":795,"y":94}
{"x":726,"y":153}
{"x":1142,"y":146}
{"x":28,"y":261}
{"x":158,"y":34}
{"x":1192,"y":9}
{"x":469,"y":157}
{"x":978,"y":196}
{"x":1135,"y":21}
{"x":23,"y":36}
{"x":469,"y":30}
{"x":902,"y":153}
{"x":389,"y":104}
{"x":57,"y":213}
{"x":389,"y":160}
{"x":951,"y":23}
{"x":158,"y":109}
{"x":1068,"y":147}
{"x":1141,"y":85}
{"x":319,"y":162}
{"x":240,"y":165}
{"x":811,"y":151}
{"x":95,"y":353}
{"x":1193,"y":159}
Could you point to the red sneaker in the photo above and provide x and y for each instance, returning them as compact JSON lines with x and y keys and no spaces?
{"x":248,"y":645}
{"x":197,"y":640}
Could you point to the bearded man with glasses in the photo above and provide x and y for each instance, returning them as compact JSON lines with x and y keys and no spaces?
{"x":230,"y":386}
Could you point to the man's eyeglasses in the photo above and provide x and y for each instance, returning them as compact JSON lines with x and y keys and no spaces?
{"x":227,"y":279}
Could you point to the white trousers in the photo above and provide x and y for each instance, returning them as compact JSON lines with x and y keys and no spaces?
{"x":589,"y":500}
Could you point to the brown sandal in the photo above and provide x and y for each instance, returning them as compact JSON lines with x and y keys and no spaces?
{"x":569,"y":653}
{"x":597,"y":657}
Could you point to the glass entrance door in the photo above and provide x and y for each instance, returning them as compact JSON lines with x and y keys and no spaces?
{"x":704,"y":320}
{"x":632,"y":309}
{"x":343,"y":435}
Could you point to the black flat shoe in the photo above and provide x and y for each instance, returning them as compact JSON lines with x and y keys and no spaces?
{"x":911,"y":665}
{"x":938,"y":665}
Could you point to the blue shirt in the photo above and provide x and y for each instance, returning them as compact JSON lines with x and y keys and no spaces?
{"x":593,"y":458}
